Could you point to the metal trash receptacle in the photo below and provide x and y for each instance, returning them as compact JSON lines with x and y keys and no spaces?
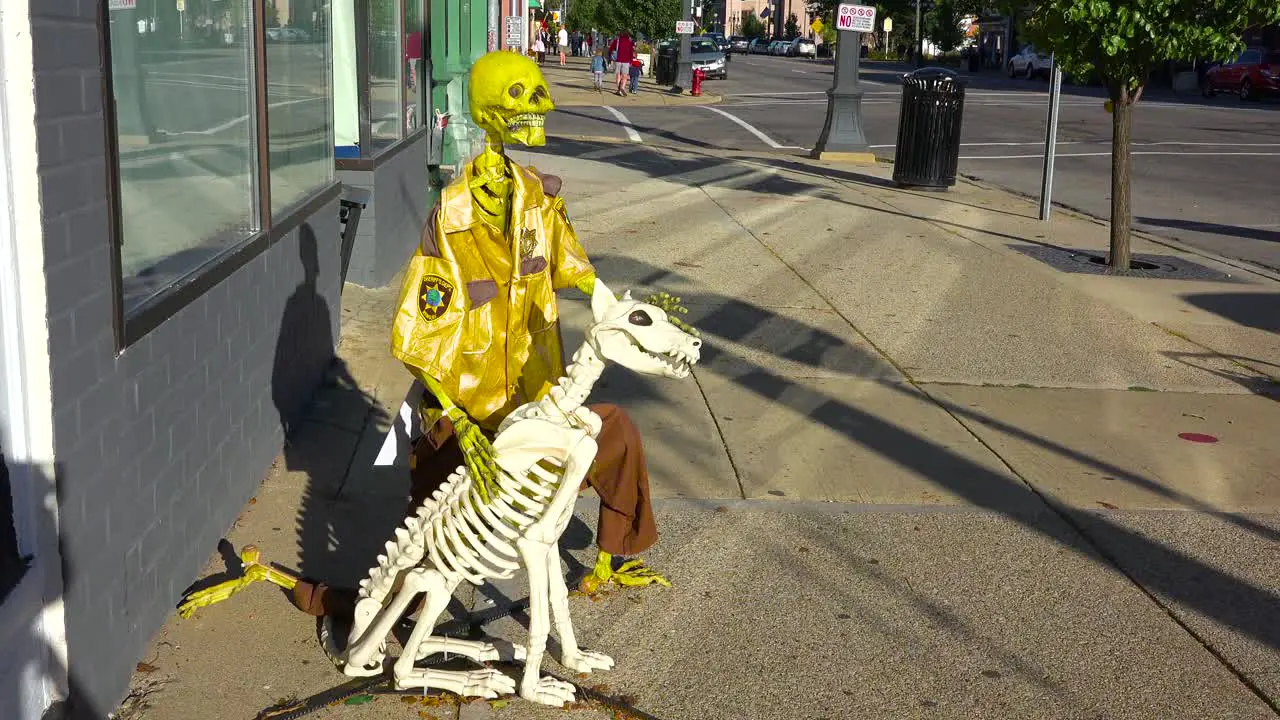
{"x":665,"y":70}
{"x":928,"y":149}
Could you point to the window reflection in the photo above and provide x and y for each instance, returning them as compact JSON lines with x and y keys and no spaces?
{"x":386,"y":70}
{"x":415,"y":66}
{"x":298,"y":100}
{"x":183,"y":87}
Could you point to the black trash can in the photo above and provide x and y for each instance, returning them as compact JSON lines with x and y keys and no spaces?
{"x":928,"y":149}
{"x":664,"y":72}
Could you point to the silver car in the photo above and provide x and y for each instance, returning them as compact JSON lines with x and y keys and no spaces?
{"x":802,"y":47}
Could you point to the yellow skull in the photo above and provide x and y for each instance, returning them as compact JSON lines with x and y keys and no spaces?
{"x":509,"y":98}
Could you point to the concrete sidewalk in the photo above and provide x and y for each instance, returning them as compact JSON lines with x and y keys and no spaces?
{"x":930,"y":466}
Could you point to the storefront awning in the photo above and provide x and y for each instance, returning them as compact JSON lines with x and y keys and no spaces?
{"x":535,"y":4}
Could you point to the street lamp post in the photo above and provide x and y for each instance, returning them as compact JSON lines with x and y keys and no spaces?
{"x":842,"y":137}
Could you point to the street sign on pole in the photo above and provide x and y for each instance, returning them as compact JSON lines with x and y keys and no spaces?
{"x":856,"y":18}
{"x":888,"y":25}
{"x":1050,"y":140}
{"x":122,"y":5}
{"x":511,"y":33}
{"x":182,"y":5}
{"x":816,"y":26}
{"x":684,"y":27}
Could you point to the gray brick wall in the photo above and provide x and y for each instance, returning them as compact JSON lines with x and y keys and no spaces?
{"x":391,"y":223}
{"x":161,"y":445}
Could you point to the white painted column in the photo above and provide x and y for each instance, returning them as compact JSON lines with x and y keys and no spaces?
{"x":33,"y":662}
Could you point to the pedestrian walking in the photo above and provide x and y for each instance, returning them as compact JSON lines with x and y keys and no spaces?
{"x":563,"y":43}
{"x":597,"y":69}
{"x":622,"y":51}
{"x":540,"y":47}
{"x":634,"y":73}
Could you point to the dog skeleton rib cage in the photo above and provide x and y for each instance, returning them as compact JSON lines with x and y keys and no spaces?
{"x":509,"y":443}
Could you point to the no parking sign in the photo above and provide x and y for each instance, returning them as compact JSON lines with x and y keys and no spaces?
{"x":857,"y":18}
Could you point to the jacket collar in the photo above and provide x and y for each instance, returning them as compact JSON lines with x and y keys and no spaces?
{"x":458,"y":212}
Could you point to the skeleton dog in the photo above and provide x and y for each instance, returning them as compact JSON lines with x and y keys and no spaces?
{"x":544,"y":450}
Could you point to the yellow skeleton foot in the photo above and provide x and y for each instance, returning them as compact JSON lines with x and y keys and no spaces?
{"x":254,"y":571}
{"x":631,"y":573}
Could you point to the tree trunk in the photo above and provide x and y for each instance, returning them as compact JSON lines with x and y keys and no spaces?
{"x":1121,"y":211}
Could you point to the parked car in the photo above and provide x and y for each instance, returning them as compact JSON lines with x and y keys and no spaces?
{"x":778,"y":47}
{"x":759,"y":46}
{"x":1030,"y":63}
{"x":739,"y":44}
{"x":706,"y":55}
{"x":287,"y":33}
{"x":1253,"y":74}
{"x":722,"y":43}
{"x":802,"y":47}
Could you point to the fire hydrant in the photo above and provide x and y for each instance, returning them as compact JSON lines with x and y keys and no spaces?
{"x":698,"y":75}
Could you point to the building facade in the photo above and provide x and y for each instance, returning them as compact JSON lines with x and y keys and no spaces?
{"x":171,"y":272}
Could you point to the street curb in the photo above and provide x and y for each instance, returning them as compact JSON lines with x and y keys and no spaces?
{"x":642,"y":101}
{"x":1171,"y":243}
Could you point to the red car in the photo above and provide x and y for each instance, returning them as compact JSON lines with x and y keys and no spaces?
{"x":1254,"y":74}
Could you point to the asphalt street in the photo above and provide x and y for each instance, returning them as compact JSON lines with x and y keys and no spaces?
{"x":1204,"y":170}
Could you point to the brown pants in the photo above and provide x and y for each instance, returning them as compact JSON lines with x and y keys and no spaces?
{"x":619,"y":477}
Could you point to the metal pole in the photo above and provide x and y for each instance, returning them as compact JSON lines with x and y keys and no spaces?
{"x":684,"y":64}
{"x":842,"y":136}
{"x":919,"y":53}
{"x":1050,"y":140}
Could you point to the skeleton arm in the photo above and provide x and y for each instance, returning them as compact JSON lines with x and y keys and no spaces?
{"x":476,"y":449}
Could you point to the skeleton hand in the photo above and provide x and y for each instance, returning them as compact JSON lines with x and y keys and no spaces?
{"x":477,"y":452}
{"x":672,"y":307}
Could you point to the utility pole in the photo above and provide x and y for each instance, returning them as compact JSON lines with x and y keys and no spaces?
{"x":684,"y":64}
{"x":919,"y":51}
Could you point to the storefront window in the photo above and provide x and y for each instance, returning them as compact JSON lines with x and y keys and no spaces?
{"x":183,"y":81}
{"x":416,"y":100}
{"x":387,"y":71}
{"x":299,"y":118}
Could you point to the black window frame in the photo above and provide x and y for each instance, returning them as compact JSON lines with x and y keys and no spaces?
{"x":159,"y":308}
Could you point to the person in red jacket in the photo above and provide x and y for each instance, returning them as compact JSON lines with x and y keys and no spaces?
{"x":623,"y":51}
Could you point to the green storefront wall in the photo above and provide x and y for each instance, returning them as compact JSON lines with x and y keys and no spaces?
{"x":459,"y":36}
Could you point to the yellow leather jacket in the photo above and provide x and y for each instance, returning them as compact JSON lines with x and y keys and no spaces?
{"x":477,"y":310}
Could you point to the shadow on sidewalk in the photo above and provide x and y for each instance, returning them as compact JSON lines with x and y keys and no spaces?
{"x":1178,"y":578}
{"x":1247,"y":233}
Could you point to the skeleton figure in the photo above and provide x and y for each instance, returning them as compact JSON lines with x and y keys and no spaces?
{"x":543,"y":450}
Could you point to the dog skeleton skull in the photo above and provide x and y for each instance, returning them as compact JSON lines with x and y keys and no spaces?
{"x":640,"y":337}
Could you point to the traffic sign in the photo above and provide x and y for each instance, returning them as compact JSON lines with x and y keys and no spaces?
{"x":816,"y":26}
{"x":684,"y":27}
{"x":513,"y":32}
{"x":888,"y":25}
{"x":182,"y":5}
{"x":122,"y":5}
{"x":857,"y":18}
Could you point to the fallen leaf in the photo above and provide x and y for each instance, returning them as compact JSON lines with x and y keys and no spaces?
{"x":253,"y":501}
{"x":408,"y":699}
{"x":1107,"y":505}
{"x":360,"y":699}
{"x":499,"y":704}
{"x":146,"y":668}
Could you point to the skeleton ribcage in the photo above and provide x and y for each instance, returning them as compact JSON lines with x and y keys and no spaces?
{"x":463,"y":537}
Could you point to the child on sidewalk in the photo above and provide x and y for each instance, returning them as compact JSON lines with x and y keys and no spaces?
{"x":635,"y":69}
{"x":597,"y":69}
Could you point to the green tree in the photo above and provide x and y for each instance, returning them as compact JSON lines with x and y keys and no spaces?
{"x":751,"y":25}
{"x":944,"y":25}
{"x":1124,"y":40}
{"x":792,"y":27}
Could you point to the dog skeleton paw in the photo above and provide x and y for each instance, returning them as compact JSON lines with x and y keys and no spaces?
{"x":586,"y":661}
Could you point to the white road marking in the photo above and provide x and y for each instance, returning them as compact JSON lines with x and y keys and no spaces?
{"x":632,"y":135}
{"x":243,"y":118}
{"x":749,"y":127}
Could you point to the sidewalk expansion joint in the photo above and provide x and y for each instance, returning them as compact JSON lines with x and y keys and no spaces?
{"x":706,"y":402}
{"x":1050,"y":503}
